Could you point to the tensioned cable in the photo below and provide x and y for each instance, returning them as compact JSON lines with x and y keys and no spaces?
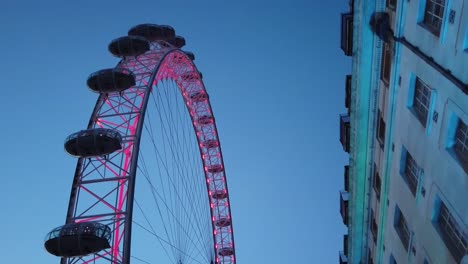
{"x":182,"y":172}
{"x":167,"y":114}
{"x":153,"y":189}
{"x":173,"y":185}
{"x":194,"y":178}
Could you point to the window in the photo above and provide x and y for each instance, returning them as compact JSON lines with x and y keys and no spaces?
{"x":401,"y":227}
{"x":369,"y":256}
{"x":381,"y":129}
{"x":391,"y":4}
{"x":411,"y":173}
{"x":433,"y":15}
{"x":347,"y":33}
{"x":421,"y":100}
{"x":377,"y":182}
{"x":386,"y":63}
{"x":461,"y":144}
{"x":374,"y":228}
{"x":452,"y":234}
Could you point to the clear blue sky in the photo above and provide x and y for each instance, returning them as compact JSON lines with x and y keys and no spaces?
{"x":275,"y":74}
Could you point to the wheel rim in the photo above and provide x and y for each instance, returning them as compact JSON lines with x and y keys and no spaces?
{"x":104,"y":187}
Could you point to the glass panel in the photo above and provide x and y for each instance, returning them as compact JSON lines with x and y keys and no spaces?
{"x":422,"y":96}
{"x":461,"y":144}
{"x":434,"y":14}
{"x":403,"y":231}
{"x":411,"y":173}
{"x":452,"y":234}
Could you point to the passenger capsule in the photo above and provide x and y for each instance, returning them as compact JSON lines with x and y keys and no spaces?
{"x":210,"y":143}
{"x":111,"y":80}
{"x":78,"y":239}
{"x":93,"y":142}
{"x":215,"y":168}
{"x":219,"y":194}
{"x":129,"y":46}
{"x":199,"y":96}
{"x":226,"y":251}
{"x":205,"y":120}
{"x":190,"y":76}
{"x":190,"y":55}
{"x":153,"y":32}
{"x":177,"y":42}
{"x":223,"y":222}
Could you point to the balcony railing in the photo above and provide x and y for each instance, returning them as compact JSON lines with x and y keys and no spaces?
{"x":346,"y":178}
{"x":348,"y":92}
{"x":344,"y":197}
{"x":345,"y":245}
{"x":344,"y":131}
{"x":343,"y":258}
{"x":347,"y":33}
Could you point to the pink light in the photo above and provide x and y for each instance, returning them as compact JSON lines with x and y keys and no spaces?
{"x":96,"y":257}
{"x":108,"y":167}
{"x":88,"y":219}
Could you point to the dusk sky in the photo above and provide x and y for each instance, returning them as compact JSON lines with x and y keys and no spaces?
{"x":276,"y":78}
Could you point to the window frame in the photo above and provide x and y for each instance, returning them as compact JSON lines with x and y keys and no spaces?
{"x":381,"y":126}
{"x":460,"y":145}
{"x":401,"y":227}
{"x":391,"y":5}
{"x":411,"y":172}
{"x":374,"y":227}
{"x":369,"y":256}
{"x":430,"y":16}
{"x":377,"y":187}
{"x":450,"y":224}
{"x":386,"y":63}
{"x":422,"y":101}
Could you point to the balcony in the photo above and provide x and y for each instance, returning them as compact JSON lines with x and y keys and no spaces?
{"x":345,"y":245}
{"x":348,"y":92}
{"x":347,"y":33}
{"x":344,"y":131}
{"x":343,"y":258}
{"x":344,"y":197}
{"x":344,"y":253}
{"x":346,"y":178}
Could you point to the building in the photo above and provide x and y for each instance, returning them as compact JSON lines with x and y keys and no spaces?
{"x":406,"y":185}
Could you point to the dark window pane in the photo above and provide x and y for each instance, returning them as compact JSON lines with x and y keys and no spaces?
{"x":411,"y":173}
{"x":452,"y":234}
{"x":422,"y":95}
{"x":403,"y":231}
{"x":433,"y":15}
{"x":461,"y":144}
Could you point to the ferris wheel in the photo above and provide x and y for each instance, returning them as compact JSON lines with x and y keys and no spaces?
{"x":153,"y":122}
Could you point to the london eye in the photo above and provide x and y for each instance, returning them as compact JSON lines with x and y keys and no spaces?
{"x":150,"y":183}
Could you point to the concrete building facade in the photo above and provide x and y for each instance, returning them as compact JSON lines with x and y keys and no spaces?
{"x":406,"y":185}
